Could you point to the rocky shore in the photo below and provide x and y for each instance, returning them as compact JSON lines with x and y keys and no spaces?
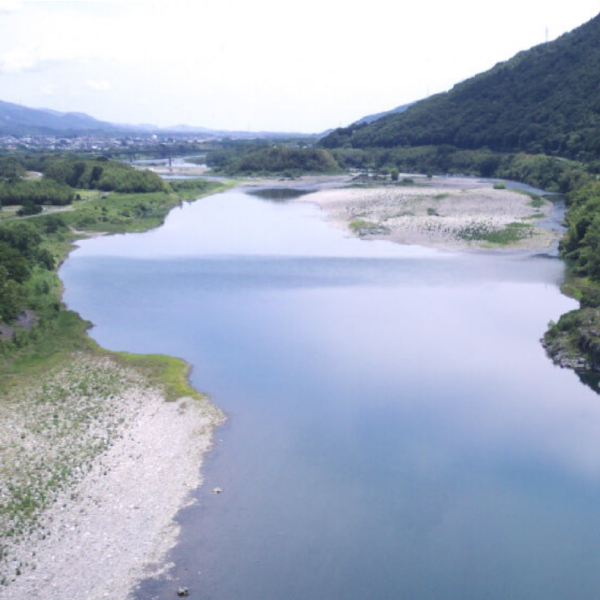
{"x":574,"y":342}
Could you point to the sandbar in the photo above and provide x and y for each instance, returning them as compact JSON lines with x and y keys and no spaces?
{"x":450,"y":213}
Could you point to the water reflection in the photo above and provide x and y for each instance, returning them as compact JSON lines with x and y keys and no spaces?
{"x":278,"y":194}
{"x":395,"y":429}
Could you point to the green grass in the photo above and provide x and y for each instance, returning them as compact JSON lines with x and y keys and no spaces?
{"x":114,"y":212}
{"x":87,"y":194}
{"x":584,"y":289}
{"x":117,"y":213}
{"x":537,"y":201}
{"x":360,"y":224}
{"x":513,"y":232}
{"x":47,"y":346}
{"x":572,"y":291}
{"x":168,"y":372}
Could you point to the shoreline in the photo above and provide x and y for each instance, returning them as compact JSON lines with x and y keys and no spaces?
{"x":99,"y":451}
{"x":146,"y":472}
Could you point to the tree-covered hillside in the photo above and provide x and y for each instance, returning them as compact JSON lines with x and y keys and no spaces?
{"x":544,"y":100}
{"x":258,"y":158}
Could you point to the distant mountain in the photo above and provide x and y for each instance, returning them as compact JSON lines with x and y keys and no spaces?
{"x":370,"y":118}
{"x":546,"y":99}
{"x":21,"y":120}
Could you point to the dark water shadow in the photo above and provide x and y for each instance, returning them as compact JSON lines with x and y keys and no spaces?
{"x":591,"y":379}
{"x":278,"y":194}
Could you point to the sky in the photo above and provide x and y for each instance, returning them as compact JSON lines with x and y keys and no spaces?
{"x":259,"y":65}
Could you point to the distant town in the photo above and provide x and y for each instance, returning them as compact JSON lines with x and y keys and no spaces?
{"x":100,"y":143}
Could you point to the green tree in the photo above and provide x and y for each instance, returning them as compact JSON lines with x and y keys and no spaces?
{"x":9,"y":296}
{"x":14,"y":264}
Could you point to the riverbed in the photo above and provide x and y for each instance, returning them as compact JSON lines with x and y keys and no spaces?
{"x":394,"y":426}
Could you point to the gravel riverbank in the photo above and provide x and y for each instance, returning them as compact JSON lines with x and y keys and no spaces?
{"x":449,"y":213}
{"x":95,"y":466}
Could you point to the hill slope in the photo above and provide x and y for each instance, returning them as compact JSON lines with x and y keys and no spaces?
{"x":546,"y":99}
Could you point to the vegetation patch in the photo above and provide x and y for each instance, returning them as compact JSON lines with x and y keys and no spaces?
{"x":103,"y":174}
{"x":574,"y":341}
{"x":359,"y":224}
{"x":536,"y":201}
{"x":482,"y":232}
{"x":35,"y":192}
{"x":280,"y":159}
{"x":170,"y":373}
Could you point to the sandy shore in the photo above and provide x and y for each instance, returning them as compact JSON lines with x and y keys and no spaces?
{"x":133,"y":460}
{"x":447,"y":213}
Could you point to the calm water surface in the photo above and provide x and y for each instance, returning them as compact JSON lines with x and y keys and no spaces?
{"x":395,"y":429}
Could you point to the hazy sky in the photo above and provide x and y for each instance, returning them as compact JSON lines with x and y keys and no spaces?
{"x":259,"y":64}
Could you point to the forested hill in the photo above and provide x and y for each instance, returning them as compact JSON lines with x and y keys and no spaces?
{"x":544,"y":100}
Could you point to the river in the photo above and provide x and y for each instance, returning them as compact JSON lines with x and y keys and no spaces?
{"x":394,"y":429}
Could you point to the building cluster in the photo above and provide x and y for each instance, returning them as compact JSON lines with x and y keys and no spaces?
{"x":92,"y":143}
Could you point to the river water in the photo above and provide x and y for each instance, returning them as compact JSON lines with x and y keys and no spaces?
{"x":394,"y":429}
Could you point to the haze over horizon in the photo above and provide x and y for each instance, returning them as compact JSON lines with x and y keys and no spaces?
{"x":257,"y":66}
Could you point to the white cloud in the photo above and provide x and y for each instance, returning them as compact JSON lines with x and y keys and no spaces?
{"x":17,"y":61}
{"x":235,"y":64}
{"x":98,"y":85}
{"x":7,"y":6}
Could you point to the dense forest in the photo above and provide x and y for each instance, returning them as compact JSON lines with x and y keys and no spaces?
{"x":261,"y":158}
{"x":22,"y":257}
{"x":36,"y":192}
{"x":544,"y":100}
{"x":102,"y":174}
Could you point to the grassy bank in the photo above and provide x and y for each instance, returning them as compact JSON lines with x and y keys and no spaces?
{"x":57,"y":332}
{"x":60,"y":393}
